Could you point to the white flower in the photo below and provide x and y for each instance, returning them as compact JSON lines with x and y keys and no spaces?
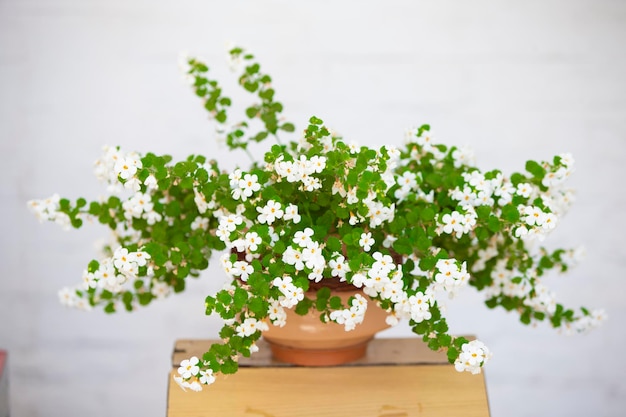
{"x":524,"y":189}
{"x":473,"y":356}
{"x":317,"y":272}
{"x":189,"y":367}
{"x":407,"y":180}
{"x":338,"y":188}
{"x":534,"y":216}
{"x":235,"y":177}
{"x":339,"y":267}
{"x":250,"y":326}
{"x":124,"y":262}
{"x":127,"y":167}
{"x":200,"y":201}
{"x":200,"y":223}
{"x":48,"y":210}
{"x":317,"y":164}
{"x":543,"y":300}
{"x":358,"y":280}
{"x":521,"y":231}
{"x":192,"y":385}
{"x":366,"y":241}
{"x":449,"y":277}
{"x":555,"y":178}
{"x":160,"y":289}
{"x":312,"y":256}
{"x":287,"y":170}
{"x":137,"y":205}
{"x":463,"y":156}
{"x":206,"y":377}
{"x":303,"y":238}
{"x":68,"y":297}
{"x":310,"y":183}
{"x":351,"y":196}
{"x":242,"y":269}
{"x":291,"y":213}
{"x":549,"y":221}
{"x":420,"y":307}
{"x":253,"y":240}
{"x":246,"y":186}
{"x":567,"y":159}
{"x":352,"y":316}
{"x":270,"y":212}
{"x":230,"y":222}
{"x":277,"y":314}
{"x":292,"y":295}
{"x":389,"y":240}
{"x":150,"y":182}
{"x":453,"y":223}
{"x":293,"y":257}
{"x":378,"y":213}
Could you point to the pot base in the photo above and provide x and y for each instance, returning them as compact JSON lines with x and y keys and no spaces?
{"x":318,"y":357}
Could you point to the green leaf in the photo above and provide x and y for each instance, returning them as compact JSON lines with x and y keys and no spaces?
{"x":257,"y":306}
{"x":483,"y":212}
{"x":482,"y":233}
{"x":252,"y":112}
{"x":403,"y":246}
{"x":315,"y":121}
{"x":427,"y":263}
{"x":535,"y":169}
{"x":453,"y":353}
{"x":93,"y":266}
{"x":322,"y":302}
{"x":288,"y":127}
{"x":433,"y":344}
{"x":427,"y":214}
{"x":259,"y":285}
{"x":333,"y":244}
{"x":229,"y":366}
{"x":510,"y":213}
{"x":525,"y":317}
{"x":302,"y":308}
{"x":335,"y":303}
{"x":224,"y":297}
{"x":494,"y":224}
{"x":239,"y":298}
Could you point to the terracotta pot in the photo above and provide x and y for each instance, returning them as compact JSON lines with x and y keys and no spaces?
{"x":305,"y":340}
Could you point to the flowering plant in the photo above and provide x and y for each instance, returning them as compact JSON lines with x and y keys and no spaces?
{"x":405,"y":225}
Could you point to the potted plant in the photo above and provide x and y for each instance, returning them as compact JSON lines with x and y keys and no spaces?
{"x":403,"y":227}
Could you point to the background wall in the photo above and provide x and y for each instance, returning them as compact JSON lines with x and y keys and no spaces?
{"x":514,"y":80}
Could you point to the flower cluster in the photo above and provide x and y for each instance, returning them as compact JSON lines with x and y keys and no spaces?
{"x":190,"y":376}
{"x":408,"y":227}
{"x":49,"y":209}
{"x":352,"y":316}
{"x":472,"y":357}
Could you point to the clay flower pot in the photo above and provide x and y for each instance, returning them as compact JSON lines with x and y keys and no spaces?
{"x":306,"y":340}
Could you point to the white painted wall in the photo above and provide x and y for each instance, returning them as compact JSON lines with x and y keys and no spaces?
{"x":515,"y":80}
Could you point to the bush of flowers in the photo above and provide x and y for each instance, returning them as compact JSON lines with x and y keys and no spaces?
{"x":410,"y":226}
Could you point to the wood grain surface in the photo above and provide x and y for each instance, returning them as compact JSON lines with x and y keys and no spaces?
{"x":397,"y":378}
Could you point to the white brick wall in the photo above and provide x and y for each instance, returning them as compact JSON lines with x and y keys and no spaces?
{"x":515,"y":80}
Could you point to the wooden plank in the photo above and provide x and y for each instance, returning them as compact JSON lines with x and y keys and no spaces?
{"x":397,"y":379}
{"x":381,"y":391}
{"x":405,"y":351}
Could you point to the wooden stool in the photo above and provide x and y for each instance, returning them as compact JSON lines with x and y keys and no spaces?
{"x":397,"y":378}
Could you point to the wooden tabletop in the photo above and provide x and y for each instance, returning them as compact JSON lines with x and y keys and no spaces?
{"x":397,"y":378}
